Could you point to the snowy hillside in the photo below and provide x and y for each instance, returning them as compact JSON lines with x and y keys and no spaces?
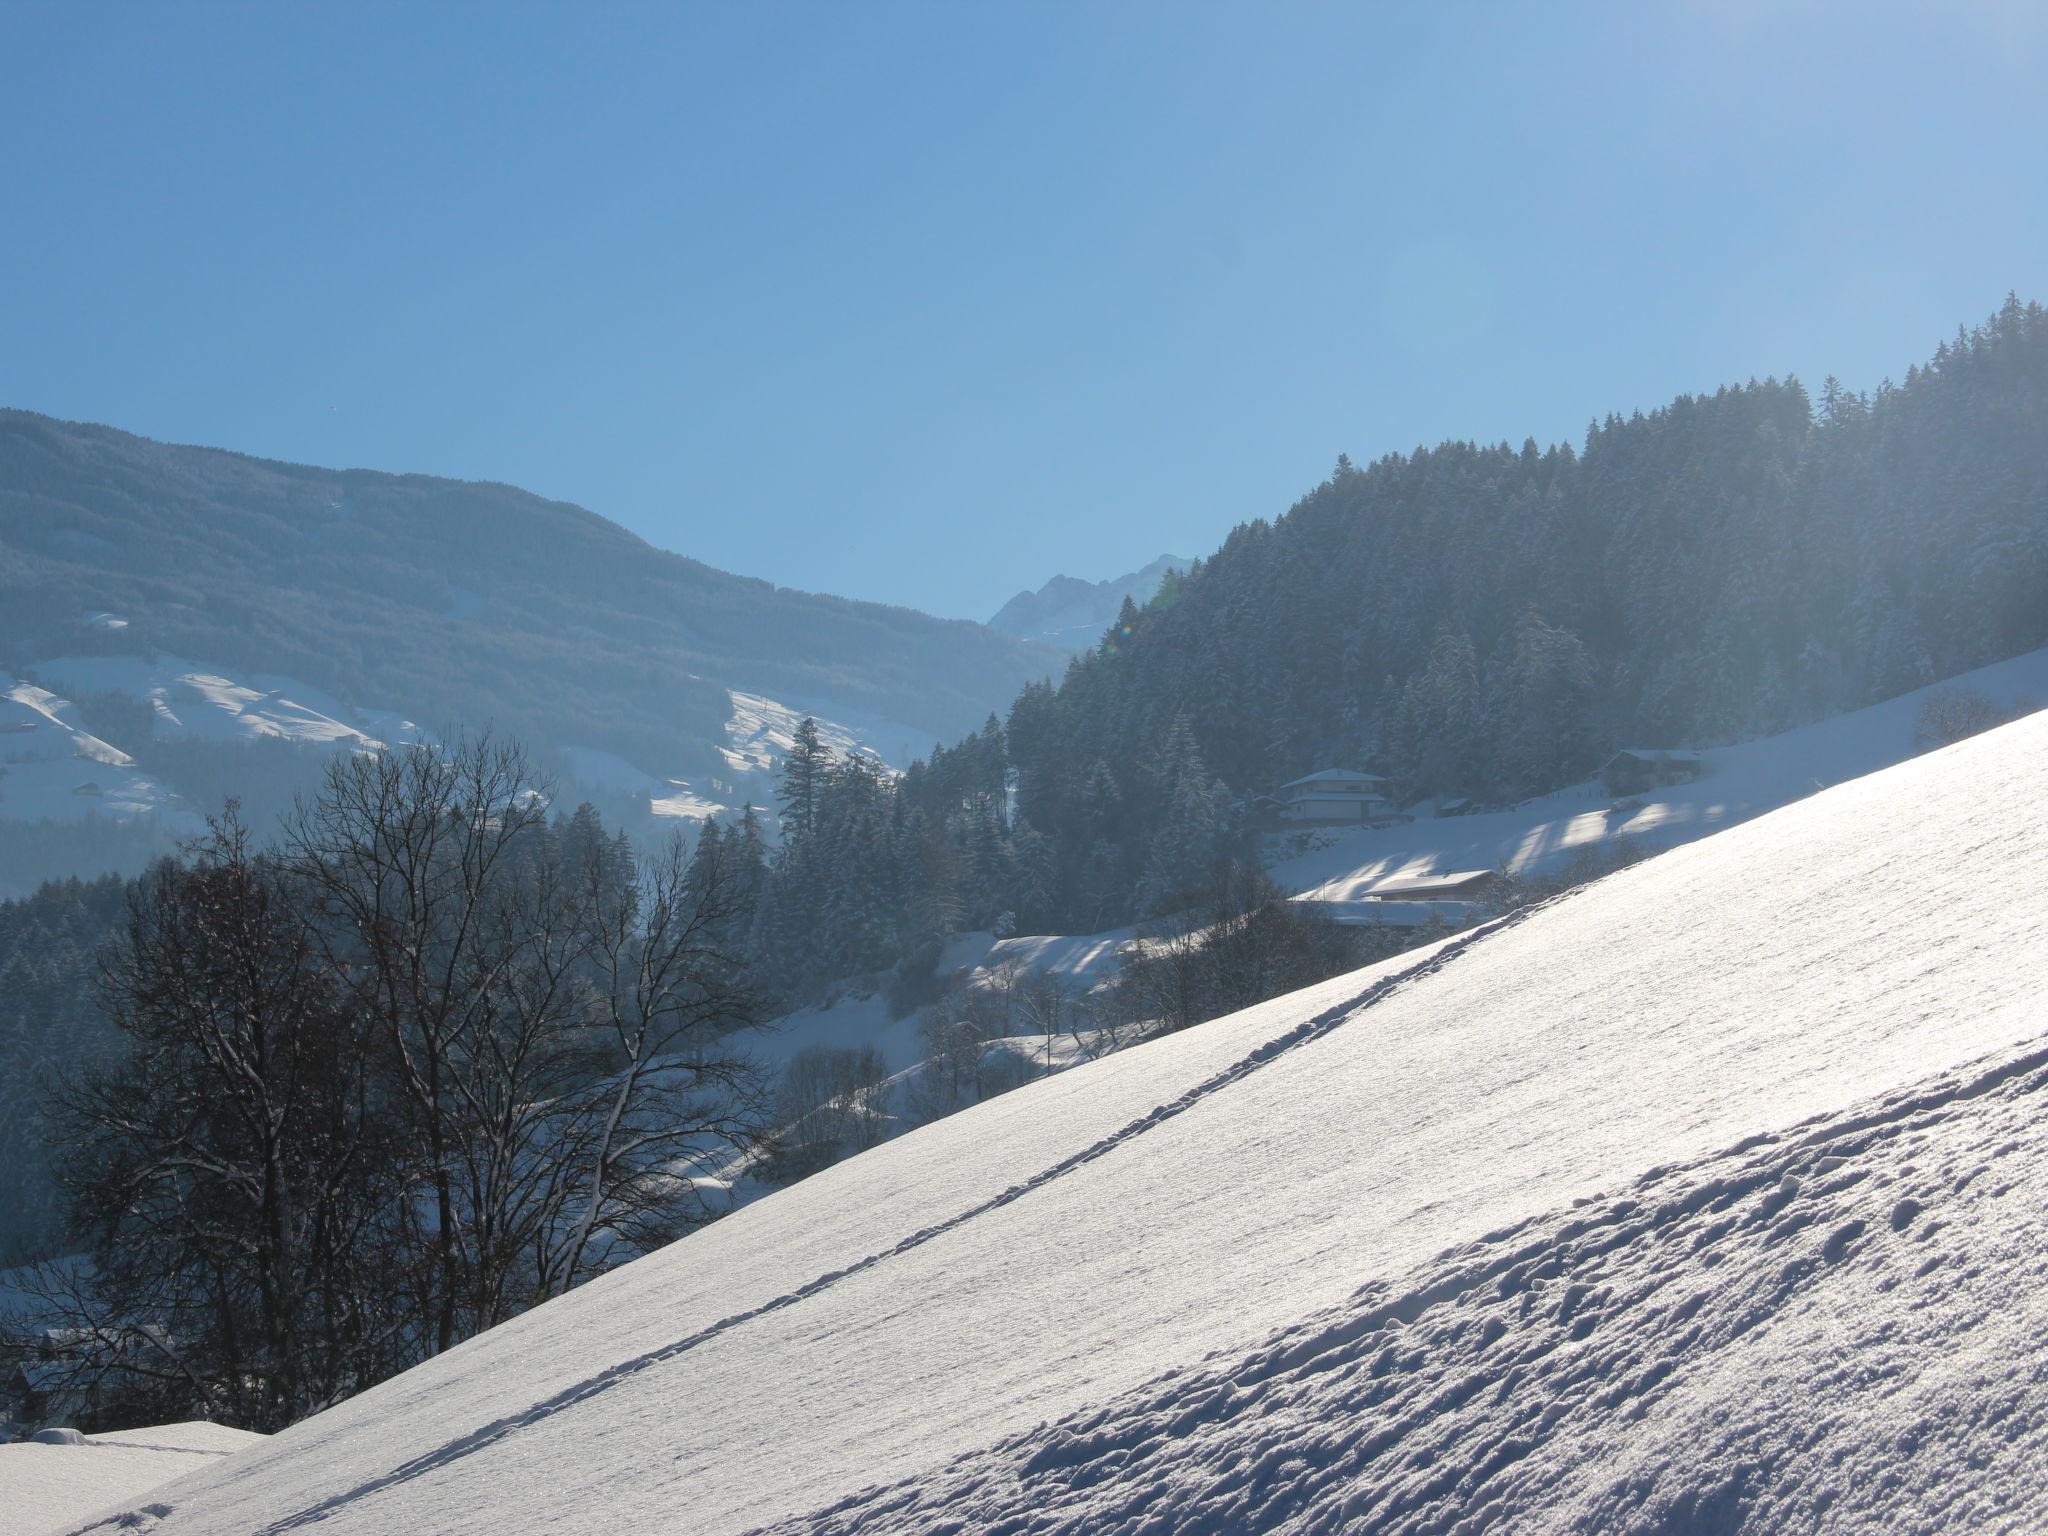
{"x":56,"y":770}
{"x":52,"y":768}
{"x":1556,"y":1224}
{"x":1738,"y":783}
{"x":758,"y":735}
{"x":185,"y":699}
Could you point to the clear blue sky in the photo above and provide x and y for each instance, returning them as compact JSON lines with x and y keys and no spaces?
{"x":925,"y":303}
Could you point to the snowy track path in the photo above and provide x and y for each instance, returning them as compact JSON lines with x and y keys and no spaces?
{"x":1840,"y":1298}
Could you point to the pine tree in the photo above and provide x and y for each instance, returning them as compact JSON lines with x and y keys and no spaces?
{"x":802,"y":781}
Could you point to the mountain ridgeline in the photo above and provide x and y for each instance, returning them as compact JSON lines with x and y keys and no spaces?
{"x":455,"y":602}
{"x":1072,"y":614}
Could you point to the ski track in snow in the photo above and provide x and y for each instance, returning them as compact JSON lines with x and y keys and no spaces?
{"x":1314,"y":1028}
{"x":1498,"y":1388}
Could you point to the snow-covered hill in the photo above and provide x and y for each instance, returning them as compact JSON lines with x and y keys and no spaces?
{"x":185,"y":699}
{"x":455,"y":604}
{"x":1705,"y":1198}
{"x":52,"y":768}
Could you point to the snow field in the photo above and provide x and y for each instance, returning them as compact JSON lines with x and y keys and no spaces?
{"x":1836,"y":1328}
{"x":49,"y":1487}
{"x":53,"y":769}
{"x":907,"y":1319}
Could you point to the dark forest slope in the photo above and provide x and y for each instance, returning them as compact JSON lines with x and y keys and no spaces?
{"x":1490,"y":621}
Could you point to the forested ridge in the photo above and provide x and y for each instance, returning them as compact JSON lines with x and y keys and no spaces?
{"x":1490,"y":621}
{"x":1476,"y":622}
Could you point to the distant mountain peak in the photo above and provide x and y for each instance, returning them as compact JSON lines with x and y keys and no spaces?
{"x":1072,"y":613}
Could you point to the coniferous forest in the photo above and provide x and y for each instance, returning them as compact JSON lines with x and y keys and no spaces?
{"x":1489,"y":622}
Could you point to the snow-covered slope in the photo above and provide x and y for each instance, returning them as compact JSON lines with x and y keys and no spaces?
{"x":1700,"y":1199}
{"x":758,"y":736}
{"x":53,"y":769}
{"x":56,"y":770}
{"x":188,"y":700}
{"x":457,"y":602}
{"x":48,"y":1487}
{"x":1739,"y":782}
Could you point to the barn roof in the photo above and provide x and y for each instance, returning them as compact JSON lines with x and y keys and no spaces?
{"x":1334,"y":776}
{"x":1423,"y":885}
{"x":1657,"y":755}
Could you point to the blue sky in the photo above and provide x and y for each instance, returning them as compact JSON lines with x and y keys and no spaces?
{"x":924,"y":303}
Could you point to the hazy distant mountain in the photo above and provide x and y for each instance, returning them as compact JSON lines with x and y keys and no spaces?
{"x":1071,"y":613}
{"x":232,"y":598}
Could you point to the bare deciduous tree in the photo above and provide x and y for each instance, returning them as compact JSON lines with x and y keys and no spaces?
{"x":424,"y":1067}
{"x":233,"y":1173}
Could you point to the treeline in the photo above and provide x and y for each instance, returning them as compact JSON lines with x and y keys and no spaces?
{"x":872,"y":867}
{"x":50,"y":1023}
{"x":34,"y":853}
{"x":874,"y":871}
{"x":431,"y":1058}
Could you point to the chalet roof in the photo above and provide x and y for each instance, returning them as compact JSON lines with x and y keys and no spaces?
{"x":1425,"y":885}
{"x":43,"y":1376}
{"x":1328,"y":776}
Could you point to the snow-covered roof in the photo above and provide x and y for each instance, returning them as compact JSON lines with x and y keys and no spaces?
{"x":1327,"y":776}
{"x":43,"y":1375}
{"x":1372,"y":913}
{"x":1422,"y":885}
{"x":1658,"y":754}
